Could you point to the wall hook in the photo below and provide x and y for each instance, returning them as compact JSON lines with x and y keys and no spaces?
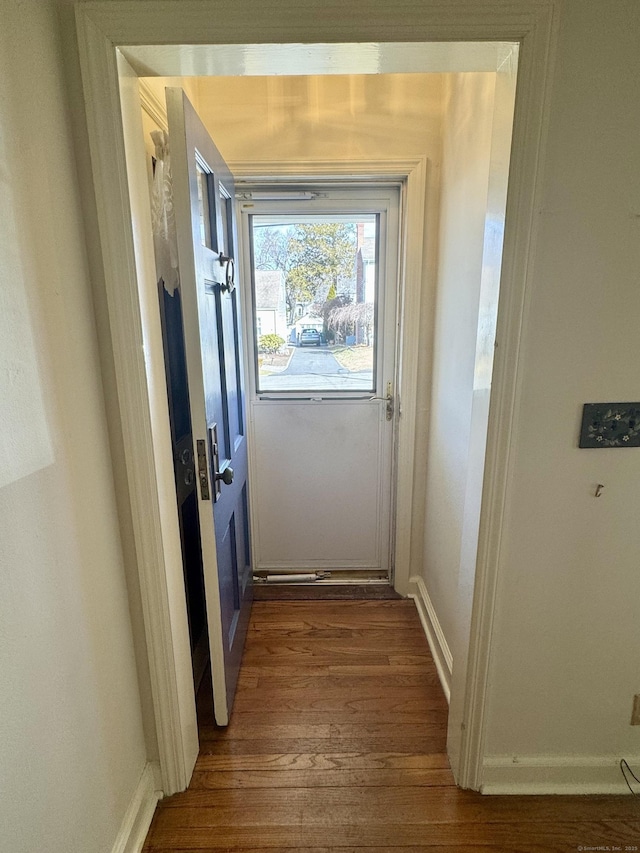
{"x":598,"y":490}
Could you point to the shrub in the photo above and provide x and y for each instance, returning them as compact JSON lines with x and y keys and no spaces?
{"x":270,"y":344}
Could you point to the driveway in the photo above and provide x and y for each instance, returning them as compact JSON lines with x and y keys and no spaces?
{"x":315,"y":369}
{"x":313,"y":360}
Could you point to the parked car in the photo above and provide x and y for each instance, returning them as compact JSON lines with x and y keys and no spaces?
{"x":309,"y":337}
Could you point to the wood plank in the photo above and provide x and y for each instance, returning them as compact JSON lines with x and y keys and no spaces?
{"x":543,"y":846}
{"x":525,"y":836}
{"x":360,"y":647}
{"x":337,"y":614}
{"x":264,"y":729}
{"x":321,"y":657}
{"x":324,"y":592}
{"x":358,"y":720}
{"x":342,"y":619}
{"x":324,"y":761}
{"x":345,"y":700}
{"x":357,"y":680}
{"x":362,"y":633}
{"x":262,"y":746}
{"x":401,"y":776}
{"x":420,"y":664}
{"x":371,"y":806}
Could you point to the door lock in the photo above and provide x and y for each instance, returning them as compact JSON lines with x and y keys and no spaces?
{"x":203,"y":476}
{"x":389,"y":400}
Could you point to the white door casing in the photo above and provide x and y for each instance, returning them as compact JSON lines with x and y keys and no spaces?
{"x":102,"y":28}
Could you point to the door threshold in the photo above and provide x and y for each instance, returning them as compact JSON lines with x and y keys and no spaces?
{"x":338,"y":577}
{"x":343,"y":590}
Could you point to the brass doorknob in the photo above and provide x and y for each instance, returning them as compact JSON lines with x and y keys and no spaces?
{"x":226,"y":476}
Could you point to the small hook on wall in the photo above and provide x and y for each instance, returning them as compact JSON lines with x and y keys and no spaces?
{"x":598,"y":490}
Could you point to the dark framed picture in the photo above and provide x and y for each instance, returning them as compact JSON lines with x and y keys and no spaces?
{"x":610,"y":425}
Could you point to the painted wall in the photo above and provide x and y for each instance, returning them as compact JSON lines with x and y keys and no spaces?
{"x":322,"y":118}
{"x":466,"y":152}
{"x":564,"y":657}
{"x":71,"y":740}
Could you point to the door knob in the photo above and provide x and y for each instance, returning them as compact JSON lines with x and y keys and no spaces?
{"x":226,"y":476}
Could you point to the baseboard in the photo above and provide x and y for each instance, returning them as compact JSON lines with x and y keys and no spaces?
{"x":555,"y":774}
{"x":433,"y":630}
{"x":139,"y":814}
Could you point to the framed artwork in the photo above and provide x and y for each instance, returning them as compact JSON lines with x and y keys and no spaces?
{"x":610,"y":425}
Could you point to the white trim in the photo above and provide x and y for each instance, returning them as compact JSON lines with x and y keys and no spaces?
{"x":554,"y":774}
{"x":535,"y":68}
{"x":435,"y":635}
{"x":152,"y":105}
{"x":139,"y":814}
{"x":101,"y":83}
{"x":134,"y":382}
{"x":105,"y":24}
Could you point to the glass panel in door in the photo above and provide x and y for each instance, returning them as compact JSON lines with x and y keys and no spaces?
{"x":315,"y":282}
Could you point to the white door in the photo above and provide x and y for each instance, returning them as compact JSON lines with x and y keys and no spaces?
{"x":322,"y":274}
{"x":203,"y":193}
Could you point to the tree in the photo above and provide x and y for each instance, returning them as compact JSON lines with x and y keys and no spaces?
{"x":345,"y":319}
{"x":321,"y":261}
{"x":270,"y":247}
{"x":317,"y":259}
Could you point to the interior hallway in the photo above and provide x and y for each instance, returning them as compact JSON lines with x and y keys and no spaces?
{"x":337,"y":743}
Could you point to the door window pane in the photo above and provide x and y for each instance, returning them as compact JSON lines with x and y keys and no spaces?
{"x":203,"y":204}
{"x":225,"y":219}
{"x":314,"y":296}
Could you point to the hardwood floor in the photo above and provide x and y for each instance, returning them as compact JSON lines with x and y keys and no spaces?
{"x":337,"y":743}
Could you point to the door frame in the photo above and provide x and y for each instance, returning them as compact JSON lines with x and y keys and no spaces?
{"x":411,"y":177}
{"x":139,"y":398}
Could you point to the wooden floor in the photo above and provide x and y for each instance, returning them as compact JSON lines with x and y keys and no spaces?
{"x":337,"y":743}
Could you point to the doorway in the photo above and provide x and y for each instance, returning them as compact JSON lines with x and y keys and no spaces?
{"x":267,"y":191}
{"x":130,"y":321}
{"x":321,"y":281}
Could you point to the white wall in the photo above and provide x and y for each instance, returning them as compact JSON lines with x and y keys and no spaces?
{"x":302,"y":119}
{"x":565,"y":650}
{"x":71,"y":741}
{"x":466,"y":150}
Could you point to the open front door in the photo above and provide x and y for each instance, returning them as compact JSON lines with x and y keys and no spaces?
{"x":203,"y":193}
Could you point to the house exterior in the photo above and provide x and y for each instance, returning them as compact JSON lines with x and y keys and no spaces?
{"x":271,"y":303}
{"x":74,"y":733}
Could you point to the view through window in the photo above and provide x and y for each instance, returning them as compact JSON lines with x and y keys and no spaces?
{"x":314,"y":297}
